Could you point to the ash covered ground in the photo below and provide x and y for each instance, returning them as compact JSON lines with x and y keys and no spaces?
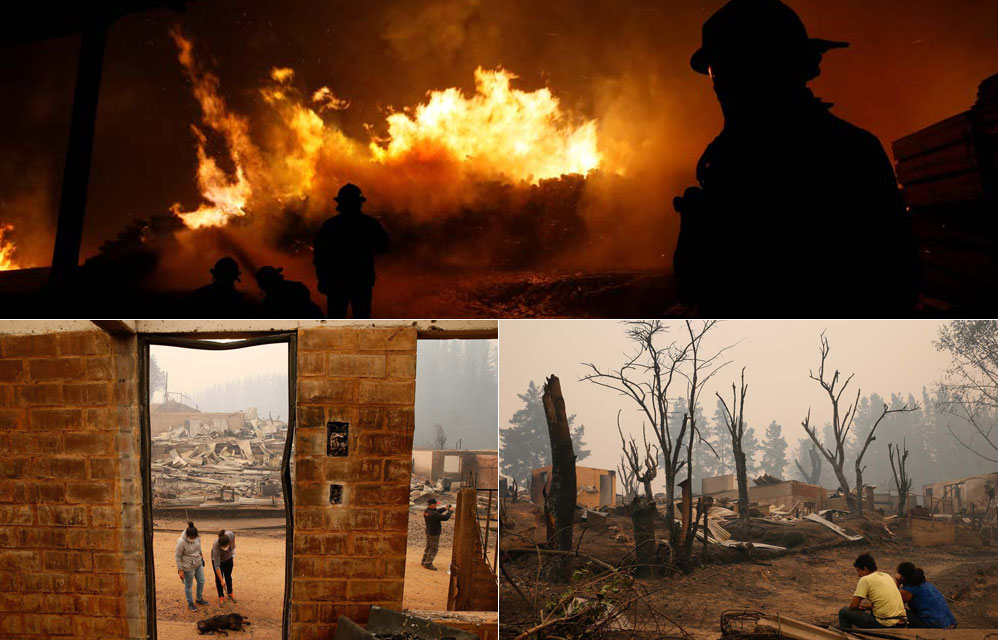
{"x":809,"y":582}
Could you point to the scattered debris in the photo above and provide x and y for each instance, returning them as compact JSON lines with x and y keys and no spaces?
{"x":813,"y":517}
{"x":230,"y":463}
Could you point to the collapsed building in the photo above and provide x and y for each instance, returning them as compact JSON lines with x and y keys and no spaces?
{"x":455,"y":465}
{"x":215,"y":461}
{"x":962,"y":496}
{"x":786,"y":496}
{"x":76,"y":494}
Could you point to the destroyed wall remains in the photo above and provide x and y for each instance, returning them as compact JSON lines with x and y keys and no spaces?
{"x":955,"y":496}
{"x":350,"y":556}
{"x":717,"y":484}
{"x":457,"y":464}
{"x":71,"y":540}
{"x":786,"y":496}
{"x":595,"y":487}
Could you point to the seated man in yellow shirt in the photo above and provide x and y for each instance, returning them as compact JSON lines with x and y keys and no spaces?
{"x":886,"y":608}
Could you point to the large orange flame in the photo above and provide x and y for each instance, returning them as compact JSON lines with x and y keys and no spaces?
{"x":226,"y":195}
{"x":497,"y":133}
{"x":7,"y":249}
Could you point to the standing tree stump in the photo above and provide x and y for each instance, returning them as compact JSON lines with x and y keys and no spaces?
{"x":559,"y":503}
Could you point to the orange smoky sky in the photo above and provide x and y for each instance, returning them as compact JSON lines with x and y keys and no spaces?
{"x":624,"y":65}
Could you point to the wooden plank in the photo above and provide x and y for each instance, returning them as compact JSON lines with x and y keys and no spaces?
{"x":957,"y":158}
{"x":940,"y":134}
{"x":960,"y":188}
{"x":813,"y":517}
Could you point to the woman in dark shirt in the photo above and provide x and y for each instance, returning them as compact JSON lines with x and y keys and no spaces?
{"x":927,"y":607}
{"x":222,"y":554}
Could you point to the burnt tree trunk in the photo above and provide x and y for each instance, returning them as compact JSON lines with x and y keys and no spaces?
{"x":670,"y":514}
{"x":643,"y":520}
{"x":559,"y":504}
{"x":741,"y":471}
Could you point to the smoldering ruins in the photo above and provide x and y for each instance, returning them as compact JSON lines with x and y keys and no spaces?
{"x":215,"y":461}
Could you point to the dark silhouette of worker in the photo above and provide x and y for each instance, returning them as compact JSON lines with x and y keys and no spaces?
{"x":797,"y":212}
{"x":284,"y":298}
{"x":220,"y":299}
{"x":344,"y":255}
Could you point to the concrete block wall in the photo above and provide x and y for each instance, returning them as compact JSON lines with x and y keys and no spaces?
{"x":71,"y":554}
{"x":351,"y":555}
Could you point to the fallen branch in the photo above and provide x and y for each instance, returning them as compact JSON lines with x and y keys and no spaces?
{"x":559,"y":552}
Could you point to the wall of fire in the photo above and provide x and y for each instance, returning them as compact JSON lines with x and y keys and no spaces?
{"x":71,"y":522}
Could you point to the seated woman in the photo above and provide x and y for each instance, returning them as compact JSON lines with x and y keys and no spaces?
{"x":927,"y":607}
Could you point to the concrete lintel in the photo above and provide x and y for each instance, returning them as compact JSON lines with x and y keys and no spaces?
{"x":117,"y":327}
{"x":26,"y":327}
{"x":445,"y":329}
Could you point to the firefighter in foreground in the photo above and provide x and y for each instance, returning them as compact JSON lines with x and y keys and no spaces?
{"x":344,"y":255}
{"x":797,"y":211}
{"x":433,"y":517}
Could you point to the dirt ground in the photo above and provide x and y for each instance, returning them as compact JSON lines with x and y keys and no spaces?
{"x":809,"y":583}
{"x":258,"y":574}
{"x":257,"y":577}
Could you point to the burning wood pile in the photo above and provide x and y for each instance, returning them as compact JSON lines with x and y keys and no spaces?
{"x":218,"y":465}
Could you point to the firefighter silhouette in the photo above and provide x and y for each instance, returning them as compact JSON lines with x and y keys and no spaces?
{"x":797,"y":212}
{"x":344,"y":255}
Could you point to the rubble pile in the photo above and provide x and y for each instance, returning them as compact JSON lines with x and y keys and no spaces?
{"x":215,"y":464}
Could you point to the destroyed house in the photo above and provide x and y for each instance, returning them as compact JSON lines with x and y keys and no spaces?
{"x":479,"y":467}
{"x":595,"y":487}
{"x":789,"y":495}
{"x":974,"y":494}
{"x":169,"y":420}
{"x":76,"y":459}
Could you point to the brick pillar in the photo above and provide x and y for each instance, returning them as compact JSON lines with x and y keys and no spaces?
{"x":68,"y":426}
{"x":351,"y":555}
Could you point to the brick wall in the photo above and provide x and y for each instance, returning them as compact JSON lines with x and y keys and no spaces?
{"x":70,"y":495}
{"x":351,"y":555}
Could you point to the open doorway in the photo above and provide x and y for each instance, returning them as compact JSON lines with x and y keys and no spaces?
{"x":219,"y":425}
{"x":455,"y":445}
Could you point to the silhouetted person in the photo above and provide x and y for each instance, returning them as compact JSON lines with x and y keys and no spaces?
{"x":285,"y":298}
{"x":798,"y":212}
{"x":220,"y":299}
{"x":344,"y":255}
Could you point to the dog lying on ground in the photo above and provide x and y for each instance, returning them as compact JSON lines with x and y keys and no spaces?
{"x":232,"y":621}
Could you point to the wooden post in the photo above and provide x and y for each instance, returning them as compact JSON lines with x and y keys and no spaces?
{"x":685,"y":507}
{"x":76,"y":173}
{"x":472,"y":582}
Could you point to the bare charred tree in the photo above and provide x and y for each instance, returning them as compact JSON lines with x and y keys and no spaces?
{"x":841,"y":424}
{"x":559,"y":503}
{"x":814,"y":477}
{"x":734,"y":420}
{"x":901,"y":478}
{"x":646,"y":378}
{"x":439,"y":436}
{"x":641,"y":470}
{"x":860,"y":467}
{"x":972,"y":383}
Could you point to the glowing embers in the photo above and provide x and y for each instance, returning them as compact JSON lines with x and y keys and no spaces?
{"x":499,"y":131}
{"x":7,"y":249}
